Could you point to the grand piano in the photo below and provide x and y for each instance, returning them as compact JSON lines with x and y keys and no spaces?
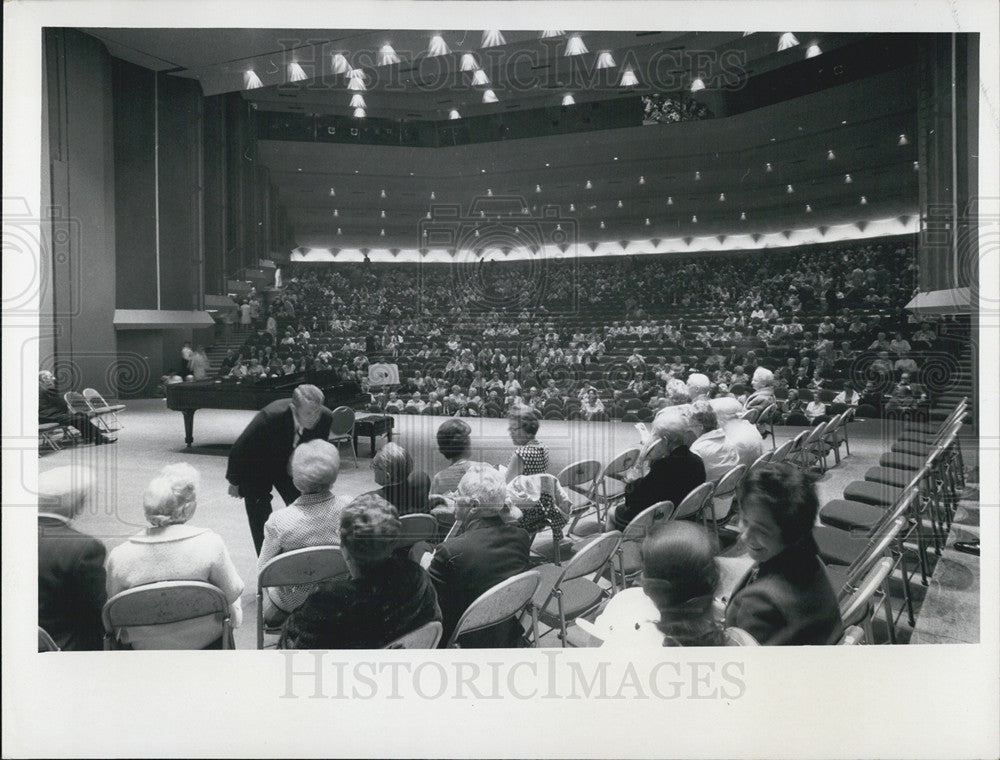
{"x":188,"y":398}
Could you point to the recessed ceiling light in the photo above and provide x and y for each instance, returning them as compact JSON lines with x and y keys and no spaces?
{"x":787,"y":40}
{"x":830,"y":155}
{"x":575,"y":45}
{"x":813,"y":50}
{"x":629,"y":78}
{"x":697,"y":84}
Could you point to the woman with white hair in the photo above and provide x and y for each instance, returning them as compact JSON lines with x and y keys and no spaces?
{"x":171,"y":550}
{"x":313,"y":519}
{"x":666,"y":470}
{"x":763,"y":389}
{"x":743,"y":435}
{"x":402,"y":486}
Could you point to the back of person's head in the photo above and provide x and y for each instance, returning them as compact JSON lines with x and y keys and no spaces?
{"x":526,"y":418}
{"x":482,"y":491}
{"x":315,"y":466}
{"x":726,"y":409}
{"x":677,"y":392}
{"x":171,"y":496}
{"x":703,"y":416}
{"x":787,"y":494}
{"x":305,"y":395}
{"x":454,"y":439}
{"x":679,"y":573}
{"x":369,"y":527}
{"x":698,"y":386}
{"x":392,"y":464}
{"x":63,"y":490}
{"x":762,"y":378}
{"x":670,"y":429}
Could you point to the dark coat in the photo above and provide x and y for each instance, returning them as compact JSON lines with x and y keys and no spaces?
{"x":790,"y":602}
{"x":259,"y":458}
{"x":409,"y":497}
{"x":670,"y":478}
{"x":71,"y":585}
{"x":370,"y":612}
{"x":488,"y":552}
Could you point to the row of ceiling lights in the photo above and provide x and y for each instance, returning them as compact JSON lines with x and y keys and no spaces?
{"x":575,"y":45}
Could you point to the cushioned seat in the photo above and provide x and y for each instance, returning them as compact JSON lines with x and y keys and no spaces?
{"x":839,"y":547}
{"x":890,"y":476}
{"x":850,"y":515}
{"x":579,"y":595}
{"x":909,"y":447}
{"x":838,"y":577}
{"x":902,"y":461}
{"x":924,"y":439}
{"x":876,"y":494}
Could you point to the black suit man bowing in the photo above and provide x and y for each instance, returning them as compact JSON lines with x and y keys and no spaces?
{"x":258,"y":460}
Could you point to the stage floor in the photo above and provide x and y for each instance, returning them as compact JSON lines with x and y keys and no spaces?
{"x":153,"y":436}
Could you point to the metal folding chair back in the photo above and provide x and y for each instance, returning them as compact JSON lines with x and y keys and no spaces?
{"x":737,"y":637}
{"x":695,"y":502}
{"x":630,"y":545}
{"x":165,"y":602}
{"x":299,"y":567}
{"x":342,"y":429}
{"x":416,"y":527}
{"x":505,"y":600}
{"x":426,"y":636}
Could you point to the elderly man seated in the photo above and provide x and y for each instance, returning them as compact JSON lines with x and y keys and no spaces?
{"x":402,"y":486}
{"x":711,"y":445}
{"x":487,"y":550}
{"x":698,"y":386}
{"x":743,"y":435}
{"x":71,"y":578}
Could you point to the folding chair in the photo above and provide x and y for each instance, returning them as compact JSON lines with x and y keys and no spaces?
{"x":47,"y":432}
{"x":580,"y":479}
{"x":573,"y":594}
{"x":629,"y":548}
{"x":859,"y":607}
{"x":510,"y":598}
{"x":780,"y":454}
{"x":765,"y":422}
{"x":426,"y":636}
{"x":102,"y":409}
{"x":695,"y":504}
{"x":299,"y":567}
{"x":342,"y":429}
{"x":854,"y":634}
{"x":414,"y":528}
{"x":611,"y":486}
{"x":163,"y":603}
{"x":723,"y":496}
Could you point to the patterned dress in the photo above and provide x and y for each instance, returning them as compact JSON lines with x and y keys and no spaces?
{"x":535,"y":461}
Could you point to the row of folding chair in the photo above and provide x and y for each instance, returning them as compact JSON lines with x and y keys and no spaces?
{"x":92,"y":404}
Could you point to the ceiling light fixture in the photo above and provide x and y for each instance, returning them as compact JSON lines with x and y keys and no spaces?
{"x":848,"y":179}
{"x":903,"y":140}
{"x":568,"y":100}
{"x":589,"y":185}
{"x":356,"y":80}
{"x":359,"y":113}
{"x":572,"y":207}
{"x":621,"y":205}
{"x":916,"y":166}
{"x":381,"y":232}
{"x":336,"y":212}
{"x":813,"y":50}
{"x":382,"y":193}
{"x":438,"y":46}
{"x":602,"y":224}
{"x":605,"y":60}
{"x":789,"y":189}
{"x":553,"y":33}
{"x":492,"y":38}
{"x":433,"y":195}
{"x":358,"y":101}
{"x":575,"y":46}
{"x":453,"y":114}
{"x":339,"y":231}
{"x":479,"y":77}
{"x":382,"y":214}
{"x":647,"y":221}
{"x":387,"y":56}
{"x":670,"y":200}
{"x":295,"y":72}
{"x":830,"y":155}
{"x":694,"y":218}
{"x":332,"y":192}
{"x":809,"y":209}
{"x":490,"y":97}
{"x":251,"y":81}
{"x":722,"y":197}
{"x":468,"y":62}
{"x":538,"y":188}
{"x":629,"y":78}
{"x":768,"y":167}
{"x":697,"y":84}
{"x":787,"y":40}
{"x":743,"y":216}
{"x":864,"y":200}
{"x":697,"y":175}
{"x":339,"y":64}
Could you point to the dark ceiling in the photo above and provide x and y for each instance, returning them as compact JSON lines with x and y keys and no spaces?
{"x":636,"y":173}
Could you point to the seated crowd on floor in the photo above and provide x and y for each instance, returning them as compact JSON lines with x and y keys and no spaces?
{"x":494,"y":523}
{"x":608,"y":340}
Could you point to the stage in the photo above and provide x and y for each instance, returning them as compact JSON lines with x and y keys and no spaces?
{"x":154,"y":436}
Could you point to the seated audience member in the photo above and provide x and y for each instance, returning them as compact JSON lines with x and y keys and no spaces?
{"x":454,"y":439}
{"x":673,"y":603}
{"x":786,"y":597}
{"x":763,"y":389}
{"x":386,"y":596}
{"x":677,"y":392}
{"x":666,"y":470}
{"x":848,"y":396}
{"x":394,"y":405}
{"x":881,"y":343}
{"x":52,"y":408}
{"x":698,"y":386}
{"x":794,"y":409}
{"x":712,"y":446}
{"x":899,"y":345}
{"x":743,"y":435}
{"x":227,"y":363}
{"x":416,"y":404}
{"x":71,"y":579}
{"x":170,"y":550}
{"x":924,"y":338}
{"x":592,"y":405}
{"x":815,"y":410}
{"x":904,"y":399}
{"x":434,"y":406}
{"x":487,"y":550}
{"x":905,"y":363}
{"x":529,"y":457}
{"x":402,"y":486}
{"x":313,"y":519}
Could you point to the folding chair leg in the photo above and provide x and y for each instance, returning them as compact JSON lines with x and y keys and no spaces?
{"x":260,"y":620}
{"x":887,"y":609}
{"x":534,"y":624}
{"x":562,"y":618}
{"x":907,"y":593}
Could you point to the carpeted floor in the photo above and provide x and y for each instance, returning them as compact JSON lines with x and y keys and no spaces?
{"x":153,"y":436}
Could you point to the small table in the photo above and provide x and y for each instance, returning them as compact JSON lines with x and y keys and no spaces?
{"x":373,"y":426}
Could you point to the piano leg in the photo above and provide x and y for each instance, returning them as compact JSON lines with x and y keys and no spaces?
{"x":188,"y":426}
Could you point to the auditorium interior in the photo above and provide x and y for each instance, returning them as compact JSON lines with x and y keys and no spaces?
{"x":430,"y":225}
